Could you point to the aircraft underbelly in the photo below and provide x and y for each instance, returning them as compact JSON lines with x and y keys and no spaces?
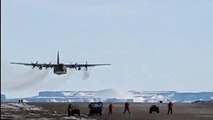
{"x":60,"y":72}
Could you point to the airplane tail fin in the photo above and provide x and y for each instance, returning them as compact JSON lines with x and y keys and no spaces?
{"x":57,"y":57}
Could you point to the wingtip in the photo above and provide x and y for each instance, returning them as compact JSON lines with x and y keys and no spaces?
{"x":106,"y":64}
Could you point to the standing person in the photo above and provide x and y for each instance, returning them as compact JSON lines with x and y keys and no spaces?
{"x":110,"y":109}
{"x":69,"y":109}
{"x":170,"y":105}
{"x":126,"y":108}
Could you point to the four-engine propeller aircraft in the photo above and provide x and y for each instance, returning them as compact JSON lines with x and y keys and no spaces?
{"x":59,"y":68}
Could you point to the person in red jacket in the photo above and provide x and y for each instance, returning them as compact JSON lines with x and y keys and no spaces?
{"x":170,"y":105}
{"x":110,"y":109}
{"x":126,"y":108}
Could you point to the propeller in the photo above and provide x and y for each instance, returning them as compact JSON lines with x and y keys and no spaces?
{"x":33,"y":67}
{"x":48,"y":65}
{"x":70,"y":64}
{"x":40,"y":67}
{"x":34,"y":64}
{"x":86,"y":66}
{"x":76,"y":65}
{"x":45,"y":66}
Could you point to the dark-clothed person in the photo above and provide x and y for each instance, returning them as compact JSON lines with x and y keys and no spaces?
{"x":69,"y":109}
{"x":170,"y":105}
{"x":110,"y":109}
{"x":126,"y":108}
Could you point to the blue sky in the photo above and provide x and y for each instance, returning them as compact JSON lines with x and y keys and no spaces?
{"x":151,"y":44}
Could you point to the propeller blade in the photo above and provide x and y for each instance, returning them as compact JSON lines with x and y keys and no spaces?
{"x":70,"y":64}
{"x":49,"y":64}
{"x":86,"y":66}
{"x":76,"y":66}
{"x":33,"y":64}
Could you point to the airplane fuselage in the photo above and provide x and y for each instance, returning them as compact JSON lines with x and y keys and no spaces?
{"x":60,"y":69}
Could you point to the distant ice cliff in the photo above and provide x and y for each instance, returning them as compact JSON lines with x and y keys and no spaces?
{"x":112,"y":95}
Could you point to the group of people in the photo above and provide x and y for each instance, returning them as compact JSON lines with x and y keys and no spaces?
{"x":126,"y":108}
{"x":21,"y":101}
{"x":72,"y":110}
{"x":110,"y":108}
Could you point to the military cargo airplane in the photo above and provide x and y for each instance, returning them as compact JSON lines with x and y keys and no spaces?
{"x":59,"y":68}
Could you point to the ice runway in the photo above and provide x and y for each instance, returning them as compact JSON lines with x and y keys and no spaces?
{"x":139,"y":111}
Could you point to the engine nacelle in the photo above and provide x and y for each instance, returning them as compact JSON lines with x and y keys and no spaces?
{"x":40,"y":67}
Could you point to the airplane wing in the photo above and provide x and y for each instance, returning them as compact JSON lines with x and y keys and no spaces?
{"x":40,"y":66}
{"x":83,"y":65}
{"x":76,"y":66}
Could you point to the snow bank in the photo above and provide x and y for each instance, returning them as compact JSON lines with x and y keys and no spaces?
{"x":20,"y":106}
{"x":115,"y":95}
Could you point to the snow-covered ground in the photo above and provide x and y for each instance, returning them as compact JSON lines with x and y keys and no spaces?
{"x":113,"y":95}
{"x":25,"y":111}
